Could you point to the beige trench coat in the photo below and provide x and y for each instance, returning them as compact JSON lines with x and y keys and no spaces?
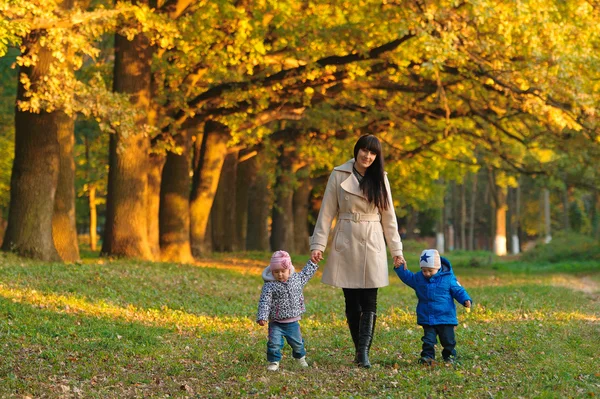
{"x":358,"y":258}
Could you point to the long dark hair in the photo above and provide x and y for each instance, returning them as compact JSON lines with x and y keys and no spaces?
{"x":373,"y":183}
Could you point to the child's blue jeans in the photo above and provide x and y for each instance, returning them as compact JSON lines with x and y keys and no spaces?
{"x":447,"y":339}
{"x":291,"y":332}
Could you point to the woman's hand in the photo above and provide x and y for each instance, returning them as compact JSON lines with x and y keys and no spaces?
{"x":399,"y":260}
{"x":262,"y":322}
{"x":316,"y":256}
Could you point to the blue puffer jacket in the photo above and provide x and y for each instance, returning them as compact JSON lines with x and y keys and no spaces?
{"x":436,"y":305}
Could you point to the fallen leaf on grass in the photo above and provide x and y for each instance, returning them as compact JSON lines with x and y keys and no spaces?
{"x":186,"y":388}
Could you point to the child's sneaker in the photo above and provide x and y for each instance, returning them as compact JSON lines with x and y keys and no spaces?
{"x":426,"y":361}
{"x":273,"y":366}
{"x":302,"y":361}
{"x":452,"y":360}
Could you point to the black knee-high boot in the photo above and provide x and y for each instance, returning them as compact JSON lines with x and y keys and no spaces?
{"x":365,"y":337}
{"x":353,"y":320}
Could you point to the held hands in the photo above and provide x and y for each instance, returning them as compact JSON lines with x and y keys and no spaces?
{"x":262,"y":322}
{"x":316,"y":256}
{"x":399,"y":260}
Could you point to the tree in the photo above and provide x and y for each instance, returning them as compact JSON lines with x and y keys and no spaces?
{"x":46,"y":103}
{"x":91,"y":171}
{"x":36,"y":167}
{"x":300,"y":206}
{"x":207,"y":170}
{"x":64,"y":228}
{"x":259,"y":206}
{"x":223,"y":211}
{"x":282,"y":227}
{"x":8,"y":79}
{"x":174,"y":214}
{"x":126,"y":229}
{"x":448,"y":86}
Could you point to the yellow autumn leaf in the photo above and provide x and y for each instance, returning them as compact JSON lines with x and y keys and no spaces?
{"x":543,"y":155}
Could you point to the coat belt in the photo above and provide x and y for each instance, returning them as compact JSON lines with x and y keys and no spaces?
{"x":360,"y":217}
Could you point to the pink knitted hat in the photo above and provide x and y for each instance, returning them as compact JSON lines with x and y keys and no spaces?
{"x":280,"y":261}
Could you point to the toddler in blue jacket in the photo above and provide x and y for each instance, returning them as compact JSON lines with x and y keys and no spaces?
{"x":436,"y":288}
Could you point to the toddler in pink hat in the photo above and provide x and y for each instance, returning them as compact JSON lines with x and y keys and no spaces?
{"x":281,"y":305}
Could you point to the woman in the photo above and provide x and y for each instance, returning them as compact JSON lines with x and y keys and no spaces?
{"x":358,"y":193}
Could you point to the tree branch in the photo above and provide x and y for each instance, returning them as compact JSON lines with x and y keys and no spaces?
{"x":217,"y":91}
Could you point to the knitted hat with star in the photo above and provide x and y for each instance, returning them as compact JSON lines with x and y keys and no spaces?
{"x":430,"y":258}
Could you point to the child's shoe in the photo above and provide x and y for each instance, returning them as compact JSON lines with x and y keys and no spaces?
{"x":273,"y":366}
{"x":452,"y":360}
{"x":302,"y":362}
{"x":426,"y":361}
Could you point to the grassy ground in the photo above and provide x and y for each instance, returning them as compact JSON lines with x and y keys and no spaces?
{"x":116,"y":329}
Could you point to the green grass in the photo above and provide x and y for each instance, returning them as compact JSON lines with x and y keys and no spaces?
{"x":120,"y":329}
{"x":565,"y":247}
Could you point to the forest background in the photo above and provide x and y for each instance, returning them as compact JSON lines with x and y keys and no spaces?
{"x":147,"y":147}
{"x":165,"y":130}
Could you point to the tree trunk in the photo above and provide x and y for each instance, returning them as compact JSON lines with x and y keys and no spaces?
{"x":450,"y":216}
{"x":565,"y":200}
{"x":2,"y":228}
{"x":91,"y":191}
{"x":510,"y":218}
{"x":546,"y":210}
{"x":157,"y":159}
{"x":490,"y":194}
{"x":472,"y":213}
{"x":205,"y":181}
{"x":157,"y":163}
{"x":223,"y":210}
{"x":594,"y":214}
{"x":35,"y":172}
{"x":259,"y":206}
{"x":175,"y":204}
{"x":454,"y":217}
{"x":501,"y":208}
{"x":93,"y":217}
{"x":246,"y":174}
{"x":282,"y":228}
{"x":126,"y":231}
{"x":300,"y":207}
{"x":513,"y":219}
{"x":517,"y":235}
{"x":440,"y":242}
{"x":463,"y":217}
{"x":64,"y":227}
{"x":412,"y":220}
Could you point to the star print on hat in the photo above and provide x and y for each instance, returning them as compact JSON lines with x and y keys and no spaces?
{"x":430,"y":258}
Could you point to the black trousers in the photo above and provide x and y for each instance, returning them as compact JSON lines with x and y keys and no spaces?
{"x":447,"y":339}
{"x":359,"y":300}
